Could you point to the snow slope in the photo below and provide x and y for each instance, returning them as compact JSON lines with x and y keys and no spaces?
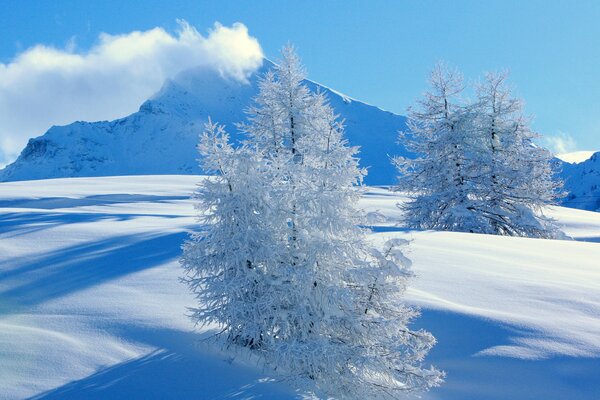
{"x":91,"y":305}
{"x":161,"y":137}
{"x":582,"y":183}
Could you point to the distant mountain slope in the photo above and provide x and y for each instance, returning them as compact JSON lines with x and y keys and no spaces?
{"x":582,"y":183}
{"x":161,"y":137}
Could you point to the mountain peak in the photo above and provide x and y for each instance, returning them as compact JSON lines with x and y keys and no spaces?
{"x":160,"y":138}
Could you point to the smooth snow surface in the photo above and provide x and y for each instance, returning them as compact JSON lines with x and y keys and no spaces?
{"x":91,"y":305}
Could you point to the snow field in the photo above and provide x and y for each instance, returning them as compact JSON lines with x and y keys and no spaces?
{"x":91,"y":305}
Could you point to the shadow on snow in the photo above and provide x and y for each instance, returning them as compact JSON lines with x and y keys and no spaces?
{"x":177,"y":370}
{"x":52,"y":203}
{"x":67,"y":270}
{"x":474,"y":377}
{"x":14,"y":224}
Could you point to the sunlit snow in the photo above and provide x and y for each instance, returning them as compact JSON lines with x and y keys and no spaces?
{"x":91,"y":305}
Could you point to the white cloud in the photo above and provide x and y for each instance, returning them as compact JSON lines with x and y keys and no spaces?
{"x":45,"y":86}
{"x":560,"y":143}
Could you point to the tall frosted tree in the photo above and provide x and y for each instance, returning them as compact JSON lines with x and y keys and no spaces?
{"x":226,"y":259}
{"x":516,"y":176}
{"x":282,"y":265}
{"x":439,"y":180}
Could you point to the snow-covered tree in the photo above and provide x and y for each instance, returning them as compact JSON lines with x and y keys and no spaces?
{"x":439,"y":180}
{"x":282,"y":265}
{"x":477,"y":168}
{"x":225,"y":259}
{"x":516,"y":179}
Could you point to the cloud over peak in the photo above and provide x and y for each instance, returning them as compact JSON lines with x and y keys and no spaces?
{"x":560,"y":143}
{"x":45,"y":86}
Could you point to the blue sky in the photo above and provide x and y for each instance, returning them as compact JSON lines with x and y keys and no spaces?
{"x":376,"y":51}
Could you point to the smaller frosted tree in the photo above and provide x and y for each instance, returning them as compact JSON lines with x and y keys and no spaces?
{"x":477,"y":168}
{"x":516,"y":179}
{"x":282,"y":265}
{"x":439,"y":180}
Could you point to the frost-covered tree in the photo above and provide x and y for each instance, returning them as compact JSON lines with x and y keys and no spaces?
{"x":477,"y":168}
{"x":225,"y":259}
{"x":282,"y":265}
{"x":516,"y":179}
{"x":439,"y":180}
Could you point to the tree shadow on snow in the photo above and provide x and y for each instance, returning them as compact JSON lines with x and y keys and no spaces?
{"x":179,"y":370}
{"x":52,"y":203}
{"x":383,"y":229}
{"x":14,"y":224}
{"x":474,"y":377}
{"x":67,"y":270}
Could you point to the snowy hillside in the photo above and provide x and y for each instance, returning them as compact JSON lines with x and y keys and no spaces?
{"x":161,"y":137}
{"x":91,"y":305}
{"x":582,"y":183}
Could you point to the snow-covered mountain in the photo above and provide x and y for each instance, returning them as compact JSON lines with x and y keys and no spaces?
{"x":161,"y":137}
{"x":575,"y":156}
{"x":582,"y":183}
